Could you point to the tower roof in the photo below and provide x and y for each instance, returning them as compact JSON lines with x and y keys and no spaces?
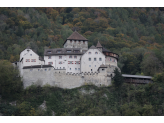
{"x":76,"y":36}
{"x":98,"y":44}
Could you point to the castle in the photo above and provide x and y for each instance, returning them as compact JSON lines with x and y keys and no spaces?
{"x":68,"y":67}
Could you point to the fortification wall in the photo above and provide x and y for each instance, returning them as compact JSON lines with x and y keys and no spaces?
{"x":62,"y":79}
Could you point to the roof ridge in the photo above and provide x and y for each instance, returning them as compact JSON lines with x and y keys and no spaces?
{"x":76,"y":36}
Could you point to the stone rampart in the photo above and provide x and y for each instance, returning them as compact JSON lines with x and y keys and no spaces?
{"x":62,"y":79}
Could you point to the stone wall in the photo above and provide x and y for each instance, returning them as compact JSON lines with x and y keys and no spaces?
{"x":62,"y":79}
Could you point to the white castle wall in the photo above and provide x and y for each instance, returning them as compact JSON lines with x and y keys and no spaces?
{"x":62,"y":79}
{"x":74,"y":68}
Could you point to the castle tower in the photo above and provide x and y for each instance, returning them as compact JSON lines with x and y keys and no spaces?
{"x":75,"y":40}
{"x":99,"y":47}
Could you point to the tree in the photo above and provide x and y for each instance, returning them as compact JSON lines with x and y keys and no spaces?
{"x":20,"y":31}
{"x":151,"y":64}
{"x":10,"y":85}
{"x":118,"y":79}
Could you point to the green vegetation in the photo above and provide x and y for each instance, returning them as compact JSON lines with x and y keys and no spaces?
{"x":120,"y":99}
{"x":136,"y":34}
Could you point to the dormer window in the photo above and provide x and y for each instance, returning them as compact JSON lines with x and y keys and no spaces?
{"x":68,"y":51}
{"x":76,"y":51}
{"x":49,"y":52}
{"x":59,"y":51}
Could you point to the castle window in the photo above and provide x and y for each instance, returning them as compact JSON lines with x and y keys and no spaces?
{"x":89,"y":52}
{"x":89,"y":59}
{"x":60,"y":62}
{"x":27,"y":60}
{"x":100,"y":59}
{"x":70,"y":57}
{"x":70,"y":68}
{"x":77,"y":62}
{"x":70,"y":62}
{"x":60,"y":57}
{"x":49,"y":57}
{"x":96,"y":52}
{"x":94,"y":59}
{"x":75,"y":57}
{"x":68,"y":51}
{"x":91,"y":69}
{"x":50,"y":63}
{"x":33,"y":60}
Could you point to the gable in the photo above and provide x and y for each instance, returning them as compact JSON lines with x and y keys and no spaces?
{"x":26,"y":53}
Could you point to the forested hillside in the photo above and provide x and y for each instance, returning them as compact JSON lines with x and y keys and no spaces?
{"x":136,"y":34}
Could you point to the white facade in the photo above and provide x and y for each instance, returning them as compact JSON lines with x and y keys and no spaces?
{"x":69,"y":62}
{"x":91,"y":60}
{"x":28,"y":58}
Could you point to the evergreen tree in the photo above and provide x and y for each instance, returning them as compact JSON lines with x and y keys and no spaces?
{"x":11,"y":85}
{"x":118,"y":79}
